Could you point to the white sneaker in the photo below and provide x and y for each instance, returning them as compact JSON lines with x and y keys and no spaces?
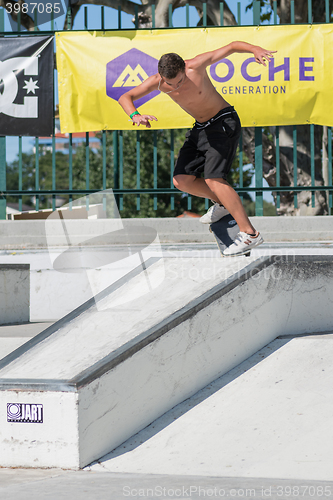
{"x":215,"y":213}
{"x":243,"y":244}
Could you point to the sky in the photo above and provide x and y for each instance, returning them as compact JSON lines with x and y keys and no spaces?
{"x":111,"y":22}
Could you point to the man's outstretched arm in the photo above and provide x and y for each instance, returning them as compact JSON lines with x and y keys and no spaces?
{"x":126,"y":101}
{"x":261,"y":55}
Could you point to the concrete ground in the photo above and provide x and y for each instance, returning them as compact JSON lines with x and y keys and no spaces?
{"x":82,"y":485}
{"x":263,"y":430}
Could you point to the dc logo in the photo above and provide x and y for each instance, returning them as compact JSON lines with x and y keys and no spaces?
{"x":232,"y":222}
{"x":9,"y":87}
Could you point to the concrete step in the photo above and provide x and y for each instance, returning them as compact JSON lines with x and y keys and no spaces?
{"x":97,"y":339}
{"x":36,"y":234}
{"x":147,"y":343}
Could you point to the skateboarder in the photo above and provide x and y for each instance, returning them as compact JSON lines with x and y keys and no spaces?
{"x":211,"y":144}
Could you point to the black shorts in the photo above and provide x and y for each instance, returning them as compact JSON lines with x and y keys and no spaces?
{"x":210,"y":147}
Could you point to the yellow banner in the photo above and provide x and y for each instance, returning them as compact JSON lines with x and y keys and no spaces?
{"x":96,"y":68}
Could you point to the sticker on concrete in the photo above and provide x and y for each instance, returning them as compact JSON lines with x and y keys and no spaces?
{"x":25,"y":413}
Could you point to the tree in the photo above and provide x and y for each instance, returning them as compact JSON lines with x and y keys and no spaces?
{"x":301,"y":12}
{"x":16,"y":8}
{"x":304,"y":198}
{"x":144,"y":18}
{"x":44,"y":179}
{"x":144,"y":11}
{"x":149,"y":204}
{"x":286,"y":139}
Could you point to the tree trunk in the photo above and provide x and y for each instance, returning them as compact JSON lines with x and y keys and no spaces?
{"x":304,"y":198}
{"x":26,"y":21}
{"x":162,"y":12}
{"x":318,"y":14}
{"x":286,"y":135}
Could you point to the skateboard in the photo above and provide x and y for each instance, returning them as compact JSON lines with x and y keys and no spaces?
{"x":225,"y":231}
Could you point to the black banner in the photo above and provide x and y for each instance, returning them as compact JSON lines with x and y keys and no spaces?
{"x":26,"y":85}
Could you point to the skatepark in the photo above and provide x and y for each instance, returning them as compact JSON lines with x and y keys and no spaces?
{"x":136,"y":361}
{"x":167,"y":370}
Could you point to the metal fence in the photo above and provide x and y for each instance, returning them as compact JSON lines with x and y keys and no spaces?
{"x":115,"y":179}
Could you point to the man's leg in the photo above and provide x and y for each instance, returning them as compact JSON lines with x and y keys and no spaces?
{"x":194,"y":185}
{"x":228,"y":197}
{"x":219,"y":191}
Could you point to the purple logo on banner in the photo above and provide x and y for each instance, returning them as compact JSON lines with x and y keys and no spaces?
{"x":127,"y":71}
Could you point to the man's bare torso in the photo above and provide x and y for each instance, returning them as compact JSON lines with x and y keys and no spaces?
{"x":196,"y":95}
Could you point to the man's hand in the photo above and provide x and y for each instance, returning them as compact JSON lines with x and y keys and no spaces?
{"x":262,"y":55}
{"x":143,"y":120}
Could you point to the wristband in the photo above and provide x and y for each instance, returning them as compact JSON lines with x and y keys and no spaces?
{"x":136,"y":112}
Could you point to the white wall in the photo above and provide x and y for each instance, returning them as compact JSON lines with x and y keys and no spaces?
{"x":14,"y":293}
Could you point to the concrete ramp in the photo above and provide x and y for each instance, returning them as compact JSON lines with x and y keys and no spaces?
{"x":107,"y":370}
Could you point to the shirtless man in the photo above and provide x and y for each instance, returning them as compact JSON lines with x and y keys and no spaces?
{"x":211,"y":144}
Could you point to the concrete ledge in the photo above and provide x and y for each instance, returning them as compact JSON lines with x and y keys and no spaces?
{"x":14,"y":293}
{"x":92,"y":412}
{"x":32,"y":234}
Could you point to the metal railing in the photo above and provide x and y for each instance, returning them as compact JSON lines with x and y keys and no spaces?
{"x":112,"y":175}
